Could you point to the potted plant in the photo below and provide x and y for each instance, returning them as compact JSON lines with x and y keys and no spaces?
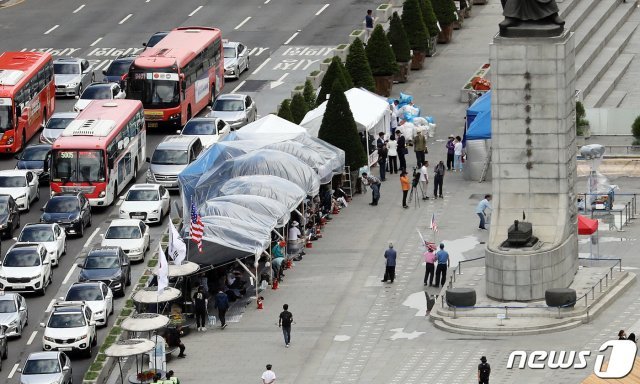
{"x":358,"y":67}
{"x":431,"y":22}
{"x":341,"y":51}
{"x":315,"y":78}
{"x":582,"y":124}
{"x":382,"y":61}
{"x":383,"y":12}
{"x":446,"y":12}
{"x":400,"y":44}
{"x":414,"y":23}
{"x":335,"y":71}
{"x":356,"y":34}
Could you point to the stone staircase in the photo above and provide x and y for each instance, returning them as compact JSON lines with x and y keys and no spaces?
{"x":602,"y":30}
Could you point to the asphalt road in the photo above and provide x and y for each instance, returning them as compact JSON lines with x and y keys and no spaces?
{"x":274,"y":30}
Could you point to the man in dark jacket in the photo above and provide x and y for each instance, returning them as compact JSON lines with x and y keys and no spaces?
{"x":222,"y":303}
{"x":390,"y":270}
{"x":402,"y":150}
{"x":174,"y":340}
{"x":450,"y":152}
{"x":200,"y":300}
{"x":484,"y":370}
{"x":382,"y":160}
{"x":438,"y":180}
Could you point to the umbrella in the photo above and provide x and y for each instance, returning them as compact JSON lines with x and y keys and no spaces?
{"x":144,"y":322}
{"x":185,"y":269}
{"x":151,"y":295}
{"x":131,"y":347}
{"x":588,"y":226}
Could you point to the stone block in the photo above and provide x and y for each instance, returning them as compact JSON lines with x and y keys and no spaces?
{"x":547,"y":275}
{"x":543,"y":67}
{"x":523,"y":292}
{"x":494,"y":290}
{"x":492,"y":275}
{"x":539,"y":171}
{"x":508,"y":292}
{"x":541,"y":52}
{"x":508,"y":264}
{"x":513,"y":52}
{"x":523,"y":263}
{"x":536,"y":272}
{"x":537,"y":291}
{"x":523,"y":278}
{"x":509,"y":67}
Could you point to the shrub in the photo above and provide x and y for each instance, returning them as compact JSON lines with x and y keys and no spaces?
{"x":91,"y":375}
{"x":335,"y":71}
{"x":429,"y":17}
{"x":358,"y":66}
{"x":309,"y":95}
{"x":398,"y":38}
{"x":298,"y":108}
{"x":445,"y":11}
{"x":380,"y":55}
{"x":635,"y":128}
{"x":285,"y":110}
{"x":414,"y":25}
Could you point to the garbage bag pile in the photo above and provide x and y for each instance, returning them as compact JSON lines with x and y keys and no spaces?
{"x":410,"y":120}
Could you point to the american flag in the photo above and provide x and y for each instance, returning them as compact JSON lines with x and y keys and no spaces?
{"x":434,"y":225}
{"x":197,"y":228}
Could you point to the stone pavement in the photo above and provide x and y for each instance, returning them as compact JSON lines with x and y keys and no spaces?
{"x":351,"y":328}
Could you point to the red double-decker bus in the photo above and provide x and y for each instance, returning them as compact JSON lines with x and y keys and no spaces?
{"x":27,"y":97}
{"x":179,"y":76}
{"x":101,"y":151}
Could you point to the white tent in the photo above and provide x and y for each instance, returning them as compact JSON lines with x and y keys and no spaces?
{"x":268,"y":126}
{"x":370,"y":111}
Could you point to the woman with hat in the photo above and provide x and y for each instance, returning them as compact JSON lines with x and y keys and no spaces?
{"x":294,"y":242}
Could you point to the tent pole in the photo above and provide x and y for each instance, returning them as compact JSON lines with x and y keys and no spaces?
{"x":247,"y":269}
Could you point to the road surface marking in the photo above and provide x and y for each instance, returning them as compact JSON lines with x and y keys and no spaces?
{"x":267,"y":1}
{"x":78,"y":9}
{"x":95,"y":42}
{"x":291,"y":38}
{"x":243,"y":21}
{"x":91,"y":238}
{"x":13,"y":370}
{"x":50,"y":306}
{"x":261,"y":65}
{"x":125,"y":19}
{"x":278,"y":82}
{"x":66,"y":278}
{"x":322,"y":9}
{"x":196,"y":10}
{"x":33,"y":336}
{"x":238,"y":87}
{"x":51,"y":29}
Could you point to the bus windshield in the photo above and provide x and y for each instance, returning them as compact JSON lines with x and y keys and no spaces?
{"x":5,"y":117}
{"x":154,"y":93}
{"x":78,"y":166}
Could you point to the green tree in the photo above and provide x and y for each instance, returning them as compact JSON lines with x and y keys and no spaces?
{"x":635,"y":131}
{"x":336,"y":71}
{"x":358,"y":66}
{"x":298,"y":108}
{"x":398,"y":38}
{"x":429,"y":17}
{"x":414,"y":23}
{"x":309,"y":95}
{"x":285,"y":110}
{"x":380,"y":55}
{"x":445,"y":11}
{"x":339,"y":128}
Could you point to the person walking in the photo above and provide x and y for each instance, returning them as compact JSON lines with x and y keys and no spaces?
{"x":375,"y":184}
{"x":482,"y":206}
{"x":222,"y":303}
{"x":450,"y":151}
{"x":174,"y":340}
{"x":404,"y":183}
{"x":430,"y":267}
{"x":438,"y":180}
{"x":484,"y":370}
{"x":392,"y":154}
{"x":390,"y":270}
{"x":284,"y":321}
{"x":419,"y":146}
{"x":443,"y":263}
{"x":383,"y":152}
{"x":202,"y":315}
{"x":402,"y":150}
{"x":424,"y":179}
{"x":268,"y":377}
{"x":368,"y":25}
{"x":457,"y":154}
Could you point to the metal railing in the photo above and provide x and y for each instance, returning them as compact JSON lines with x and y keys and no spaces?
{"x":629,"y":209}
{"x":618,"y":150}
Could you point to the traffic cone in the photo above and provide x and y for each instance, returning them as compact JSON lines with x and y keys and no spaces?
{"x":336,"y":211}
{"x":309,"y":244}
{"x":289,"y":264}
{"x":318,"y":233}
{"x":259,"y":301}
{"x":275,"y":284}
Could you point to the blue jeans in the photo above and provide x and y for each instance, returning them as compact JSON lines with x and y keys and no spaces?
{"x":382,"y":163}
{"x":375,"y":193}
{"x":286,"y":331}
{"x":481,"y":216}
{"x":457,"y":162}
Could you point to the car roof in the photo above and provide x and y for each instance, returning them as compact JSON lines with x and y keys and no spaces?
{"x":48,"y":355}
{"x":37,"y":246}
{"x":208,"y":118}
{"x":5,"y":296}
{"x":177,"y":142}
{"x":100,"y":85}
{"x":64,"y":115}
{"x":232,"y":96}
{"x":68,"y":60}
{"x":69,"y":308}
{"x":38,"y":225}
{"x":145,"y":187}
{"x":104,"y":249}
{"x":87,"y":284}
{"x":40,"y":145}
{"x":125,"y":222}
{"x":66,"y":194}
{"x":13,"y":172}
{"x":231,"y":44}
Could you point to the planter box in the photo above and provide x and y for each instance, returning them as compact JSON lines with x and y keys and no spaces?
{"x":324,"y":64}
{"x":383,"y":12}
{"x":480,"y":2}
{"x":458,"y":23}
{"x":403,"y":74}
{"x":396,"y":3}
{"x":432,"y":47}
{"x":341,"y":51}
{"x":297,"y":91}
{"x":316,"y":79}
{"x":417,"y":60}
{"x":383,"y":85}
{"x":482,"y":72}
{"x":356,"y":34}
{"x":445,"y":36}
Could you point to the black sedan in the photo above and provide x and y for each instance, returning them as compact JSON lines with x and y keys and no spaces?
{"x":35,"y":158}
{"x":9,"y":216}
{"x":70,"y":210}
{"x":108,"y":264}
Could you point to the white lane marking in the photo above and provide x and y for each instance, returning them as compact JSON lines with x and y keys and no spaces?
{"x":78,"y":9}
{"x":50,"y":306}
{"x":196,"y":10}
{"x":95,"y":42}
{"x":261,"y":65}
{"x":267,"y":1}
{"x":13,"y":371}
{"x":126,"y":18}
{"x":291,"y":38}
{"x":66,"y":278}
{"x":238,"y":87}
{"x":243,"y":21}
{"x":33,"y":336}
{"x":322,"y":9}
{"x":91,"y":238}
{"x":51,"y":29}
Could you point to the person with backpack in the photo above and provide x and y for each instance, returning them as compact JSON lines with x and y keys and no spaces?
{"x":484,"y":370}
{"x":222,"y":303}
{"x":438,"y":180}
{"x":285,"y":321}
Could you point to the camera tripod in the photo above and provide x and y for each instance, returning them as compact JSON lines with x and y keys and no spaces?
{"x":413,"y":194}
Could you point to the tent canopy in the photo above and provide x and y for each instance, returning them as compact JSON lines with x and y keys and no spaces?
{"x":273,"y":187}
{"x":482,"y":104}
{"x":257,"y":204}
{"x":480,"y":128}
{"x":587,"y":226}
{"x":229,"y":209}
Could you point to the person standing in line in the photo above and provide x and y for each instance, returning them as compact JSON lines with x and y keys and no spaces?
{"x":482,"y":206}
{"x":222,"y":303}
{"x":443,"y":264}
{"x":368,"y":26}
{"x":419,"y":146}
{"x":268,"y":377}
{"x":457,"y":154}
{"x":202,"y":315}
{"x":402,"y":150}
{"x":622,"y":335}
{"x":424,"y":179}
{"x":284,"y":321}
{"x":390,"y":270}
{"x":450,"y":151}
{"x":392,"y":154}
{"x":438,"y":180}
{"x":394,"y":118}
{"x":380,"y":140}
{"x":383,"y":152}
{"x":484,"y":370}
{"x":430,"y":265}
{"x":375,"y":184}
{"x":632,"y":337}
{"x":404,"y":183}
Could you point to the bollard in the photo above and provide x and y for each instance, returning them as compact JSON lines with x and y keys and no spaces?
{"x":454,"y":313}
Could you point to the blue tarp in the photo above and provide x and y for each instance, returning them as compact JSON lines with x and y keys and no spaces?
{"x":479,"y":119}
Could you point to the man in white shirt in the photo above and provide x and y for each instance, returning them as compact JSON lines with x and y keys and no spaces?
{"x":424,"y":179}
{"x":268,"y":377}
{"x":294,"y":243}
{"x":394,"y":119}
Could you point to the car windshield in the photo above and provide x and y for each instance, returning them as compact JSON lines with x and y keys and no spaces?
{"x":229,"y":52}
{"x":153,"y":40}
{"x":8,"y":306}
{"x":62,"y":204}
{"x":200,"y":127}
{"x":58,"y":122}
{"x":228,"y":105}
{"x":12,"y":181}
{"x":82,"y":293}
{"x":66,"y":320}
{"x":142,"y":195}
{"x":128,"y":232}
{"x":66,"y":69}
{"x":35,"y":153}
{"x":97,"y":93}
{"x":118,"y":68}
{"x":78,"y":166}
{"x":170,"y":157}
{"x":4,"y":205}
{"x":20,"y":257}
{"x":5,"y":118}
{"x":41,"y":367}
{"x":36,"y":234}
{"x":101,"y":262}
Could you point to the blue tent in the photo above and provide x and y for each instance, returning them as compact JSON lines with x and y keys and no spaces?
{"x":479,"y":119}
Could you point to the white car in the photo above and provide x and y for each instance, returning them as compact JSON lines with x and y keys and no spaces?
{"x":26,"y":267}
{"x":132,"y":235}
{"x":97,"y":295}
{"x":98,"y":91}
{"x":147,"y":202}
{"x":70,"y":327}
{"x":236,"y":59}
{"x":22,"y":185}
{"x":13,"y":313}
{"x":210,"y":130}
{"x":52,"y":236}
